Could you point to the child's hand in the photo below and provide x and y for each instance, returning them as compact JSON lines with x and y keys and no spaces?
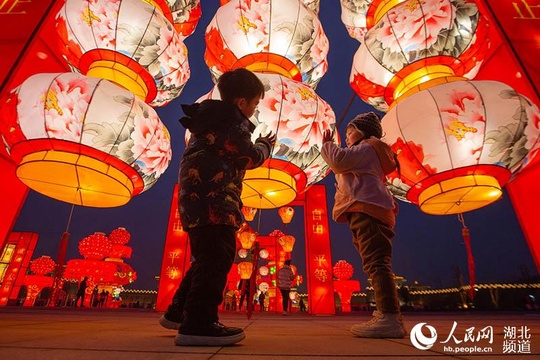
{"x":328,"y":135}
{"x":270,"y":138}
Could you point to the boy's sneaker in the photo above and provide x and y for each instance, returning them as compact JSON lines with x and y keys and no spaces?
{"x":381,"y":326}
{"x":171,"y":319}
{"x":216,"y":334}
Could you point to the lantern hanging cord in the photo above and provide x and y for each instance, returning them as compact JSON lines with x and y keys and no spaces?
{"x":346,"y":111}
{"x":461,"y":220}
{"x":69,"y":218}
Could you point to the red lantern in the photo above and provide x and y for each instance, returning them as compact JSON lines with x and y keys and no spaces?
{"x":246,"y":235}
{"x":184,"y":15}
{"x":95,"y":247}
{"x":120,"y":252}
{"x":245,"y":269}
{"x":287,"y":242}
{"x":120,"y":236}
{"x":249,"y":213}
{"x":343,"y":270}
{"x":286,"y":214}
{"x":42,"y":265}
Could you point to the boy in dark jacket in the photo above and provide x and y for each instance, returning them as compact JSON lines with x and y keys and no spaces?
{"x":211,"y":173}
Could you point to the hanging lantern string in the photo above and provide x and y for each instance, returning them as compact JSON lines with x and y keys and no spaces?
{"x":470,"y":258}
{"x":69,"y":218}
{"x":259,"y":221}
{"x":346,"y":111}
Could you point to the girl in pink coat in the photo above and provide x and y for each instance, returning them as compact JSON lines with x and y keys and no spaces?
{"x":363,"y":201}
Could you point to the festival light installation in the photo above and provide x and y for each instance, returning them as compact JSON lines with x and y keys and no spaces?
{"x":54,"y":128}
{"x":287,"y":242}
{"x":245,"y":269}
{"x":246,"y":236}
{"x":418,"y":43}
{"x":462,"y":145}
{"x":249,"y":213}
{"x":344,"y":286}
{"x":286,"y":214}
{"x":95,"y":247}
{"x":128,"y":42}
{"x":42,"y":265}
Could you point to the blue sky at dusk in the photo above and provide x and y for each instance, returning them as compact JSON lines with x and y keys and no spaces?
{"x":427,"y":248}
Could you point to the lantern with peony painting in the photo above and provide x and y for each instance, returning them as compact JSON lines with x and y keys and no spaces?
{"x":184,"y":15}
{"x":267,"y":36}
{"x":54,"y":128}
{"x":127,"y":42}
{"x":298,"y":117}
{"x":460,"y":147}
{"x":353,"y":16}
{"x":418,"y":43}
{"x":312,"y":4}
{"x":245,"y":268}
{"x":287,"y":242}
{"x":249,"y":213}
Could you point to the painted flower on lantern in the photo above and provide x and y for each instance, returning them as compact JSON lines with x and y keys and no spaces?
{"x":299,"y":117}
{"x":121,"y":154}
{"x":183,"y":14}
{"x":462,"y":145}
{"x":415,"y":42}
{"x":353,"y":16}
{"x":279,"y":36}
{"x":125,"y":41}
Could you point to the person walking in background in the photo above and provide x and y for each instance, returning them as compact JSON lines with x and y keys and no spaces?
{"x":363,"y":201}
{"x":262,"y":297}
{"x":81,"y":291}
{"x":285,"y":277}
{"x":212,"y":169}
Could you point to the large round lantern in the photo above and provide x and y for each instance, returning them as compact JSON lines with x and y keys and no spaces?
{"x":353,"y":16}
{"x":342,"y":270}
{"x":42,"y":265}
{"x":298,"y":117}
{"x":127,"y":42}
{"x":246,"y":235}
{"x":459,"y":143}
{"x":271,"y":36}
{"x":83,"y":140}
{"x":418,"y":42}
{"x":95,"y":246}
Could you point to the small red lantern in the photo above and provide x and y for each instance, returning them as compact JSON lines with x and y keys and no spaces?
{"x":120,"y":236}
{"x":343,"y":270}
{"x":286,"y":214}
{"x":42,"y":265}
{"x":246,"y":235}
{"x":245,"y":269}
{"x":95,"y":247}
{"x":249,"y":213}
{"x":287,"y":242}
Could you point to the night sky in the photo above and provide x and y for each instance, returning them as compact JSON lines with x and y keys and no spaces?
{"x":427,"y":248}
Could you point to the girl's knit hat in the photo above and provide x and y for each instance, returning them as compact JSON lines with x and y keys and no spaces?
{"x":369,"y":123}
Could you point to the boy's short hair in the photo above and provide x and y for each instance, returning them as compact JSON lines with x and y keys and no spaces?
{"x":239,"y":83}
{"x":287,"y":262}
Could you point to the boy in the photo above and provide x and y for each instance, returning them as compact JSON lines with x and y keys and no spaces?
{"x":211,"y":173}
{"x":363,"y":201}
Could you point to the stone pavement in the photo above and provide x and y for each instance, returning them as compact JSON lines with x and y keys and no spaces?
{"x":80,"y":334}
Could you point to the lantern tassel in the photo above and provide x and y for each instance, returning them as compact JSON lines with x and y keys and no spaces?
{"x":470,"y":258}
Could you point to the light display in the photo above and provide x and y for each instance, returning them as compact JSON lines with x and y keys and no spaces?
{"x":64,"y":147}
{"x":120,"y":236}
{"x":246,"y":236}
{"x":267,"y":36}
{"x":286,"y":214}
{"x":245,"y":269}
{"x":42,"y":265}
{"x":418,"y":43}
{"x":127,"y":42}
{"x":342,"y":270}
{"x":299,"y":117}
{"x":462,"y":145}
{"x":287,"y":242}
{"x":249,"y":213}
{"x":95,"y":247}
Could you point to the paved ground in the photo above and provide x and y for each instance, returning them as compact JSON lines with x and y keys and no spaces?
{"x":80,"y":334}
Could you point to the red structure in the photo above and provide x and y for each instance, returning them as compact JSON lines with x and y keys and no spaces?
{"x":176,"y":256}
{"x":14,"y":261}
